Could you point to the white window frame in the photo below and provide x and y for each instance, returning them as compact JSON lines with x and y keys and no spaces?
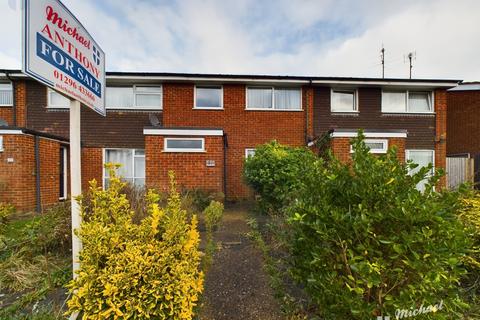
{"x":65,"y":174}
{"x":207,"y":86}
{"x":11,"y":92}
{"x":104,"y":157}
{"x":355,"y":100}
{"x":49,"y":100}
{"x":384,"y":149}
{"x":166,"y":149}
{"x":431,"y":96}
{"x":134,"y":97}
{"x":273,"y":108}
{"x":1,"y":144}
{"x":247,"y":150}
{"x":135,"y":93}
{"x":432,"y":151}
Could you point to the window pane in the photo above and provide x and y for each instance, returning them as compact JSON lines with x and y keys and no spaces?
{"x":423,"y":158}
{"x":287,"y":99}
{"x":6,"y":94}
{"x":419,"y":102}
{"x":208,"y":97}
{"x":57,"y":100}
{"x":343,"y":101}
{"x":249,"y":152}
{"x":394,"y":101}
{"x":149,"y":100}
{"x":119,"y":97}
{"x":123,"y":157}
{"x":139,"y":152}
{"x":259,"y":98}
{"x":139,"y":182}
{"x":184,"y":144}
{"x":139,"y":167}
{"x":374,"y":145}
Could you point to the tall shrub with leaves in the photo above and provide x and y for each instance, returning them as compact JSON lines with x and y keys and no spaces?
{"x":148,"y":270}
{"x":275,"y":172}
{"x":366,"y":242}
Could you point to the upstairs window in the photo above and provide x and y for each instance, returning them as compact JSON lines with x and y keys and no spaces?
{"x":134,"y":97}
{"x":270,"y":98}
{"x":407,"y":101}
{"x":56,"y":100}
{"x":208,"y":97}
{"x":344,"y":100}
{"x":6,"y":94}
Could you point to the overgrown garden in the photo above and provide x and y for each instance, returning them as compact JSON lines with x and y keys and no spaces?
{"x":359,"y":240}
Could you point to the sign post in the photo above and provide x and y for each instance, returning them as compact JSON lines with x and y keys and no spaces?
{"x":60,"y":53}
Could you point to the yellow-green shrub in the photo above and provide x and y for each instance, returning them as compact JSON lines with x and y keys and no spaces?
{"x":470,"y":216}
{"x":136,"y":271}
{"x":5,"y":211}
{"x":213,"y":215}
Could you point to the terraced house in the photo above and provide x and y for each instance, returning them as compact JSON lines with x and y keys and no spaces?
{"x":203,"y":126}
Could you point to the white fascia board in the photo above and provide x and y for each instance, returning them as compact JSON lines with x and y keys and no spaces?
{"x":183,"y":132}
{"x":387,"y":83}
{"x":207,"y":79}
{"x":340,"y":134}
{"x":11,"y":131}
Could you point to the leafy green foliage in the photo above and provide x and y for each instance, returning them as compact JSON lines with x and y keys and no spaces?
{"x":276,"y":172}
{"x":6,"y":210}
{"x":136,"y":270}
{"x":366,"y":242}
{"x":213,"y":215}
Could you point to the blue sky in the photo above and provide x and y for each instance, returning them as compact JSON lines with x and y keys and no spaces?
{"x":294,"y":37}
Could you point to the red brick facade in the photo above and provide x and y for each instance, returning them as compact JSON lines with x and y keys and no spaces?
{"x":441,"y":133}
{"x":191,"y":169}
{"x":92,"y":166}
{"x":18,"y":171}
{"x":243,"y":128}
{"x":341,"y":148}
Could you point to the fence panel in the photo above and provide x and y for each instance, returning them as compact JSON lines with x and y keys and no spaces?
{"x":459,"y":170}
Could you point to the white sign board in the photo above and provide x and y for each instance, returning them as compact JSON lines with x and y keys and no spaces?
{"x":59,"y":52}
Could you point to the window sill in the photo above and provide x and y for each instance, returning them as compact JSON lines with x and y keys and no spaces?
{"x":279,"y":110}
{"x":184,"y":151}
{"x":408,"y":113}
{"x":209,"y":108}
{"x":345,"y":113}
{"x":6,"y":105}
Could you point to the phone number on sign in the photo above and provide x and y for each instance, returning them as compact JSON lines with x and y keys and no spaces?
{"x":73,"y":84}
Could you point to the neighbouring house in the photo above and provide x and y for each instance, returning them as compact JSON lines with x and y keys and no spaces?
{"x":203,"y":126}
{"x":463,"y":123}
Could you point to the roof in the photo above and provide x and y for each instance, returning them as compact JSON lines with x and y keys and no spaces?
{"x":256,"y":78}
{"x":22,"y":130}
{"x":466,"y":86}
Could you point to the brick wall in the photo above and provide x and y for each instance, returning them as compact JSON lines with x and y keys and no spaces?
{"x":463,"y":122}
{"x":341,"y":148}
{"x":17,"y":178}
{"x":6,"y":114}
{"x":244,"y":128}
{"x":92,"y":166}
{"x":21,"y":103}
{"x":441,"y":133}
{"x":190,"y":169}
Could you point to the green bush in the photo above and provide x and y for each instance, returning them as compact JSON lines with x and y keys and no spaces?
{"x":196,"y":200}
{"x":6,"y":210}
{"x":275,"y":173}
{"x":365,"y":242}
{"x":213,"y":215}
{"x":136,"y":271}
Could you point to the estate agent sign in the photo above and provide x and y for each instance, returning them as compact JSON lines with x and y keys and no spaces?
{"x":60,"y":53}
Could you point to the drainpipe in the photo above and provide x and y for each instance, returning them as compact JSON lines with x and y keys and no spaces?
{"x":225,"y":146}
{"x":37,"y":175}
{"x":14,"y":104}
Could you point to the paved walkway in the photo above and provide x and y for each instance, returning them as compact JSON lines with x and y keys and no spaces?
{"x":236,"y":286}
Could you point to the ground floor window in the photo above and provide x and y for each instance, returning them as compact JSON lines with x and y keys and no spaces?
{"x":423,"y":158}
{"x":375,"y":145}
{"x":63,"y":174}
{"x":249,"y":152}
{"x":132,"y":162}
{"x":184,"y":144}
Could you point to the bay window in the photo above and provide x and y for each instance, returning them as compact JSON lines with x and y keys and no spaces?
{"x":132,"y":161}
{"x":407,"y":101}
{"x":270,"y":98}
{"x":6,"y":94}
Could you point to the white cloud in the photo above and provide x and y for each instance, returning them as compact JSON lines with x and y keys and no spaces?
{"x":309,"y":37}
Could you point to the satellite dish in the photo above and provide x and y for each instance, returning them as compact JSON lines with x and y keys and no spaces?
{"x":153,"y":120}
{"x":3,"y":123}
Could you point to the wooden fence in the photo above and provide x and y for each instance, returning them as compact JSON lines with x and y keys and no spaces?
{"x":459,"y":170}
